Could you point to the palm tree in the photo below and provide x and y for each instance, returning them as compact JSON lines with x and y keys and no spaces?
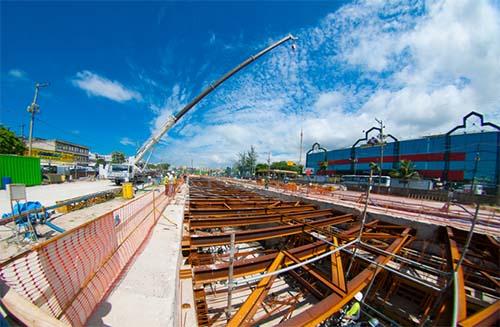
{"x":405,"y":172}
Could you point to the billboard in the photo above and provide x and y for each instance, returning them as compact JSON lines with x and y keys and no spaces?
{"x":53,"y":155}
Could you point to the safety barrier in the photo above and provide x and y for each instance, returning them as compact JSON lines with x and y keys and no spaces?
{"x":69,"y":275}
{"x":488,"y":221}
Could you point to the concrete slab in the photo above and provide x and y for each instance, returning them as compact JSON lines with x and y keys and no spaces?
{"x":148,"y":293}
{"x":187,"y":305}
{"x":47,"y":195}
{"x":9,"y":247}
{"x":426,"y":222}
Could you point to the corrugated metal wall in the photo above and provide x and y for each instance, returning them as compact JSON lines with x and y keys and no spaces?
{"x":22,"y":170}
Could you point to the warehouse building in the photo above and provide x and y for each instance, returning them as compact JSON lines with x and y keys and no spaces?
{"x":455,"y":156}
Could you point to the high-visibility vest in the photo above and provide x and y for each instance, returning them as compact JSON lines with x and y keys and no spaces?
{"x":354,"y":311}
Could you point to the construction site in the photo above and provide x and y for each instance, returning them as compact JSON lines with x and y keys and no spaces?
{"x":221,"y":251}
{"x":211,"y":221}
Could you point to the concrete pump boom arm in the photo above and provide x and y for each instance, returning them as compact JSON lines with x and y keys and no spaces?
{"x":151,"y":142}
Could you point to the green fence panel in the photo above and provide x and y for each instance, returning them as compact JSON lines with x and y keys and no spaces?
{"x":22,"y":170}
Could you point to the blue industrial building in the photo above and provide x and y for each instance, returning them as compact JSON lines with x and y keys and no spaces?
{"x":452,"y":157}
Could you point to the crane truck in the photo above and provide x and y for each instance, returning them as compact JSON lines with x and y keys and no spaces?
{"x":133,"y":171}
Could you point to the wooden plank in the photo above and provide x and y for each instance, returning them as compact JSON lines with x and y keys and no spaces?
{"x":25,"y":311}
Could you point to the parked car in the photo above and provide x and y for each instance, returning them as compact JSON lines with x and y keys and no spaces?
{"x":467,"y":188}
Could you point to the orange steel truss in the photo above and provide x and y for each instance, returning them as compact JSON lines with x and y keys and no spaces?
{"x":294,"y":246}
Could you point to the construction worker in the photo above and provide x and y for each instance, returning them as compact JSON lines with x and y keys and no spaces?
{"x":167,"y":182}
{"x":354,"y":312}
{"x":171,"y":181}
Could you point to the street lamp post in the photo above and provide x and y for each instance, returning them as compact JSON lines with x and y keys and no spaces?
{"x":355,"y":161}
{"x":382,"y":142}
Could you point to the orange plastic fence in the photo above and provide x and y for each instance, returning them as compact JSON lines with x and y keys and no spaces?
{"x":69,"y":275}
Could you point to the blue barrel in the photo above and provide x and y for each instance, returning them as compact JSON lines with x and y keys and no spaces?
{"x":6,"y":180}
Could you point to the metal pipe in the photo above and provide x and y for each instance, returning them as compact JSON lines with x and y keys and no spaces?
{"x":393,"y":323}
{"x":409,"y":261}
{"x":459,"y":263}
{"x":454,"y":316}
{"x":55,"y":206}
{"x":362,"y":222}
{"x":416,"y":280}
{"x":469,"y":237}
{"x":297,"y":265}
{"x":230,"y":278}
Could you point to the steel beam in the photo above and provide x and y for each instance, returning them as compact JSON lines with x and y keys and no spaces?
{"x":243,"y":220}
{"x":316,"y":274}
{"x":313,"y":290}
{"x":337,"y":269}
{"x":489,"y":316}
{"x":333,"y":303}
{"x":215,"y":272}
{"x":454,"y":257}
{"x":246,"y":311}
{"x":197,"y":241}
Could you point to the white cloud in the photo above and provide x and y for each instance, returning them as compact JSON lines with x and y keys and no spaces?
{"x":126,"y":141}
{"x":212,"y":38}
{"x":96,"y":85}
{"x":173,"y":103}
{"x":419,"y":67}
{"x":17,"y":73}
{"x":329,"y":101}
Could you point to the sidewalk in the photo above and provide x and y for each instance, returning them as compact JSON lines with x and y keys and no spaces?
{"x":146,"y":295}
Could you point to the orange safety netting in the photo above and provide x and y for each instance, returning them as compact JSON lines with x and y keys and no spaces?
{"x":69,"y":275}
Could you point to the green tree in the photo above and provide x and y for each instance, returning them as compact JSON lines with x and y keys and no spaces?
{"x":261,"y":167}
{"x":323,"y":165}
{"x":163,"y":166}
{"x":251,"y":160}
{"x":10,"y":143}
{"x":283,"y":165}
{"x":374,"y":168}
{"x":240,"y":163}
{"x":405,"y":171}
{"x":99,"y":161}
{"x":246,"y":162}
{"x":117,"y":157}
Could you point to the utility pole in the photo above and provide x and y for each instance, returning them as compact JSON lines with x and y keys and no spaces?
{"x":382,"y":143}
{"x":268,"y":169}
{"x":33,"y":108}
{"x":230,"y":277}
{"x":473,"y":182}
{"x":22,"y":130}
{"x":300,"y":147}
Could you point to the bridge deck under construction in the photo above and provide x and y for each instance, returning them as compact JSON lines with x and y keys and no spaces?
{"x":257,"y":260}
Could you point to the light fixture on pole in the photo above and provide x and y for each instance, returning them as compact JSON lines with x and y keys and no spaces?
{"x":34,"y":108}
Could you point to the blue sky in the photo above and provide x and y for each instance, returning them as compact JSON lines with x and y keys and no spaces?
{"x":119,"y":69}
